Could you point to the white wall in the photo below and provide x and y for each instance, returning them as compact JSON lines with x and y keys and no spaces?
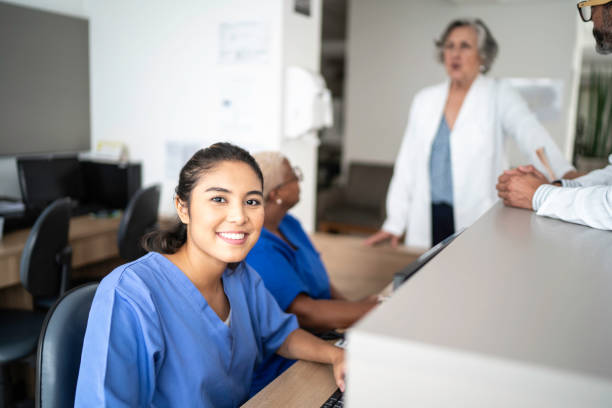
{"x":391,"y":56}
{"x":302,"y":47}
{"x":157,"y":77}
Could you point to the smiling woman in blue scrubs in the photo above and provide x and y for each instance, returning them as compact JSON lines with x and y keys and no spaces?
{"x":185,"y":325}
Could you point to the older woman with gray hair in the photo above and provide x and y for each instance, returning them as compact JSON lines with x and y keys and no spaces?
{"x":290,"y":266}
{"x":454,"y":145}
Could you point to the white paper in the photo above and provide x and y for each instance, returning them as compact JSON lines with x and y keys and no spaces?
{"x":237,"y":107}
{"x":243,"y":42}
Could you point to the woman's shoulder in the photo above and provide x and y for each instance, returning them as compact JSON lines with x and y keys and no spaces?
{"x":432,"y":91}
{"x":132,"y":281}
{"x":291,"y":222}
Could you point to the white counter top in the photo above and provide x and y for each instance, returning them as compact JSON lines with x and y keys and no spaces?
{"x":517,"y":311}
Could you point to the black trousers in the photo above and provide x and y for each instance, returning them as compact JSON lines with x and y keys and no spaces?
{"x":442,"y":222}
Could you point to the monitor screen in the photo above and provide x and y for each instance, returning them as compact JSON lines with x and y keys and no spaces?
{"x":44,"y":82}
{"x":402,"y":276}
{"x":43,"y":180}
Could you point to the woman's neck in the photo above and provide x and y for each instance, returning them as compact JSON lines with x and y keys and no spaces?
{"x":274,"y":216}
{"x":462,"y":86}
{"x":201,"y":269}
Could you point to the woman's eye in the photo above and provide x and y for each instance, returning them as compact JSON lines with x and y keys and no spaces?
{"x":253,"y":202}
{"x":465,"y":45}
{"x":219,"y":199}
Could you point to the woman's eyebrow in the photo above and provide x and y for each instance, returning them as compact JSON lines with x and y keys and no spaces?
{"x":225,"y":190}
{"x":219,"y":189}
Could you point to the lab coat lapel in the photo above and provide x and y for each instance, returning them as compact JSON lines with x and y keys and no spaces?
{"x":437,"y":110}
{"x":468,"y":108}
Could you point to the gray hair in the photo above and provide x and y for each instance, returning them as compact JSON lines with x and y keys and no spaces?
{"x":487,"y":46}
{"x":271,"y":165}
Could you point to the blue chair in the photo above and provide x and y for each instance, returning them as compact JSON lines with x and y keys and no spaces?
{"x":44,"y":272}
{"x":59,"y":348}
{"x":139,"y":217}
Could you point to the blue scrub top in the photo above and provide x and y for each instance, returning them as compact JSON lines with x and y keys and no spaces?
{"x":286,"y":272}
{"x":152,"y":340}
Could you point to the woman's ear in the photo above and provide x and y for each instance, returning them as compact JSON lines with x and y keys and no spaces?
{"x":272,"y":195}
{"x":181,"y":210}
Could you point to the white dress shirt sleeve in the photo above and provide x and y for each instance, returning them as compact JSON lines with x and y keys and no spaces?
{"x":590,"y":206}
{"x":601,"y":177}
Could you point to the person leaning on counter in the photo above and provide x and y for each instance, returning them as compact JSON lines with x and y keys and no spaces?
{"x":291,"y":267}
{"x":185,"y":325}
{"x":453,"y":148}
{"x":586,"y":200}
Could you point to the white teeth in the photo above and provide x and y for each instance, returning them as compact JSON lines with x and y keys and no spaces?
{"x":232,"y":235}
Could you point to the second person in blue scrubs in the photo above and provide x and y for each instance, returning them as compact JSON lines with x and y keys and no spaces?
{"x":291,"y":267}
{"x":185,"y":325}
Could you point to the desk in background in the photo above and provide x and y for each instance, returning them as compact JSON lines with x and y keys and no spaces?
{"x":516,"y":312}
{"x":357,"y":271}
{"x":92,"y":240}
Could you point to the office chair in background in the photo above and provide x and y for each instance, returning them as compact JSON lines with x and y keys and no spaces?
{"x":59,"y":348}
{"x":44,"y":273}
{"x":140,"y":217}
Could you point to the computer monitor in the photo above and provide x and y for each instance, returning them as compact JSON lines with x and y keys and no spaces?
{"x":402,"y":276}
{"x":43,"y":180}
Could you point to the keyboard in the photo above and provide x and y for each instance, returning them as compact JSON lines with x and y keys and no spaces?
{"x":335,"y":401}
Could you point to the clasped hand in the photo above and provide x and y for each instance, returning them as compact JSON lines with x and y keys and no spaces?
{"x":516,"y":187}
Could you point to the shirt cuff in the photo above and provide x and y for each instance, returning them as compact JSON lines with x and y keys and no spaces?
{"x":570,"y":183}
{"x":393,"y":227}
{"x":541,"y":194}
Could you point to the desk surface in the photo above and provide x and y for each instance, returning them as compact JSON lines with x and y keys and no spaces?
{"x":92,"y":240}
{"x":515,"y":312}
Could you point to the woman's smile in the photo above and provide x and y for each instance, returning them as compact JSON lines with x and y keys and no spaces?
{"x":234,"y":238}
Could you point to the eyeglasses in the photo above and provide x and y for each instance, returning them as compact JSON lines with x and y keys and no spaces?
{"x":297,"y":176}
{"x":585,"y":8}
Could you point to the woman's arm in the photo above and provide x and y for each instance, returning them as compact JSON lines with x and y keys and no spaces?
{"x":335,"y":293}
{"x":522,"y":124}
{"x":399,"y":194}
{"x":304,"y":346}
{"x":117,"y":368}
{"x":321,"y":314}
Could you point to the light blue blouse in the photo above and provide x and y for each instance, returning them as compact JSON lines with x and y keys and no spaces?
{"x":440,"y":170}
{"x":152,"y":339}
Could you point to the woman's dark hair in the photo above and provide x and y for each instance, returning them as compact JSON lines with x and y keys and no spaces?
{"x":487,"y":46}
{"x":168,"y":241}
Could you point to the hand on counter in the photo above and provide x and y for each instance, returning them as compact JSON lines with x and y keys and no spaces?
{"x":380,"y":237}
{"x":516,"y":187}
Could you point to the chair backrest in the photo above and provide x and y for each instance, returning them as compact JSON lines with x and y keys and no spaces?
{"x":59,"y":348}
{"x":139,"y":217}
{"x":45,"y":260}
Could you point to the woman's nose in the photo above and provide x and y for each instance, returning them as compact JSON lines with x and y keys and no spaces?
{"x":237,"y":214}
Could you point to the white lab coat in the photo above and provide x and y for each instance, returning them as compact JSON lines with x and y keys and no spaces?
{"x":492,"y":110}
{"x":586,"y":200}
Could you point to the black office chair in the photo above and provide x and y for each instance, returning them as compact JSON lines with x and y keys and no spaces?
{"x":46,"y":258}
{"x":59,"y":348}
{"x":140,"y":217}
{"x":44,"y":272}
